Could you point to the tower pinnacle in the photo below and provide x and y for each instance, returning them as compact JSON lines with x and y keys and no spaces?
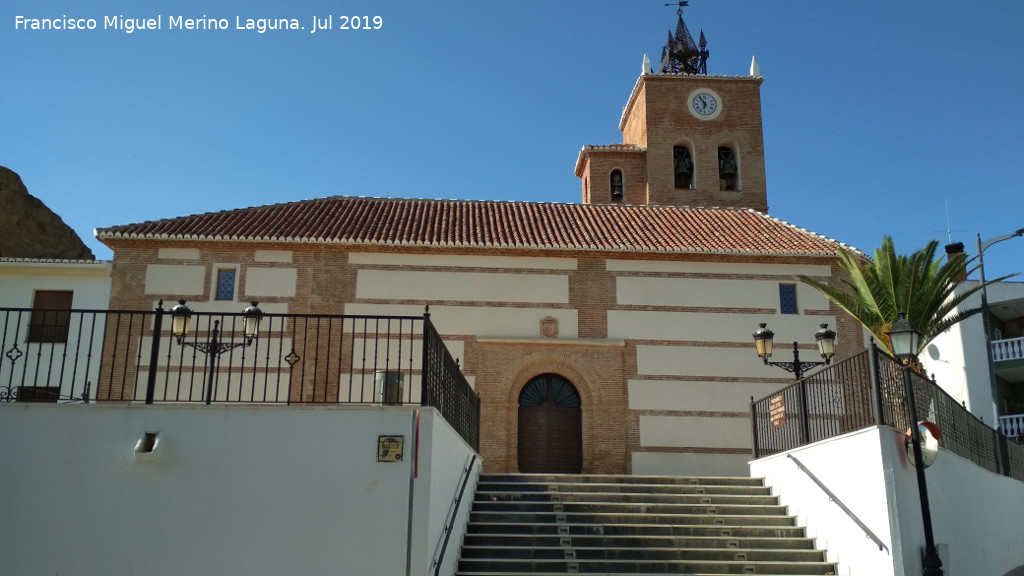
{"x":681,"y":55}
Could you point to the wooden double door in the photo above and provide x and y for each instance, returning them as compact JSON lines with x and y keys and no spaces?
{"x":550,"y":426}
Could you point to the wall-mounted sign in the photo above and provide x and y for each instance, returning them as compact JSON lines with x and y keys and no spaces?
{"x":777,"y":411}
{"x":389,"y":448}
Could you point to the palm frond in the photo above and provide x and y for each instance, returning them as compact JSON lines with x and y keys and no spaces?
{"x":923,"y":285}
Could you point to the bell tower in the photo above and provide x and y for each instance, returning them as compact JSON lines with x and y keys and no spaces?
{"x":688,"y":139}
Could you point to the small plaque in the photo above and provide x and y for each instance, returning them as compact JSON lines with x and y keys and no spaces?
{"x":777,"y":411}
{"x":389,"y":448}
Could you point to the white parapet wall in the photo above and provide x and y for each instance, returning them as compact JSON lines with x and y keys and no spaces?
{"x":228,"y":490}
{"x":975,"y":513}
{"x":852,"y":467}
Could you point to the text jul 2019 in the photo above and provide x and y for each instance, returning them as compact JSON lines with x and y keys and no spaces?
{"x":259,"y":25}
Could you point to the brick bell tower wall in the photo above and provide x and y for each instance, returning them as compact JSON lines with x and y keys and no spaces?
{"x":658,"y":117}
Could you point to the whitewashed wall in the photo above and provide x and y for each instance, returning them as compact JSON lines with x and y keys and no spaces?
{"x":19,"y":279}
{"x":180,"y":271}
{"x":862,"y":487}
{"x":975,"y":514}
{"x":696,"y":366}
{"x":229,"y":490}
{"x":445,"y":468}
{"x":43,"y":365}
{"x":958,"y":357}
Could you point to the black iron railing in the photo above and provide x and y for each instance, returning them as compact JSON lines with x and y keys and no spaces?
{"x":50,"y":357}
{"x":828,"y":403}
{"x":866,"y":390}
{"x":445,"y":387}
{"x":962,"y":432}
{"x":131,"y":356}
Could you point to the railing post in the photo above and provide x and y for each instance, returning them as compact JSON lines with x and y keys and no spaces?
{"x":154,"y":353}
{"x":1004,"y":452}
{"x":806,"y":418}
{"x":798,"y":371}
{"x":212,"y":354}
{"x":425,"y":377}
{"x":753,"y":426}
{"x":476,"y":437}
{"x":875,"y":385}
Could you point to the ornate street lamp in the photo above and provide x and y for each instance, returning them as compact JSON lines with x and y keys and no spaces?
{"x":905,"y":339}
{"x":764,"y":341}
{"x":826,"y":339}
{"x":181,"y":315}
{"x":213,"y":347}
{"x":251,"y":317}
{"x":982,"y":246}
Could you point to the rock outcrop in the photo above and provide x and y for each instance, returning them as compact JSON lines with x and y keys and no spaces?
{"x":28,"y":229}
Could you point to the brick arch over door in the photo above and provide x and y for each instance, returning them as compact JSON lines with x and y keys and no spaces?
{"x":550,"y":435}
{"x":532,"y":366}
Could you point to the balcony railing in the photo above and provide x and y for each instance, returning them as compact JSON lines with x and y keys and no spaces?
{"x":129,"y":356}
{"x":1009,"y":349}
{"x":1012,"y":425}
{"x":867,"y":390}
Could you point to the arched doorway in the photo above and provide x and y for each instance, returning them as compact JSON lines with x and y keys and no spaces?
{"x":550,"y":426}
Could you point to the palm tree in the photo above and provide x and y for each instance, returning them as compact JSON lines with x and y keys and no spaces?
{"x":923,"y":286}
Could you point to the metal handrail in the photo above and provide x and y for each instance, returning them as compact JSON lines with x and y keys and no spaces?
{"x":453,"y":513}
{"x":838,"y":502}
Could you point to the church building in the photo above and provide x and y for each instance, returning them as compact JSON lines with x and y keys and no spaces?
{"x":607,"y":336}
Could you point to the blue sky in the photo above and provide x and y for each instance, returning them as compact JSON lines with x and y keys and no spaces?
{"x":880,"y":117}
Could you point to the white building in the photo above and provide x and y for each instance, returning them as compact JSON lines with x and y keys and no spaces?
{"x":38,"y":334}
{"x":959,"y":359}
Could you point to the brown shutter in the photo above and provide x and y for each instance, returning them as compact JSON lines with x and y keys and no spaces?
{"x":50,"y":316}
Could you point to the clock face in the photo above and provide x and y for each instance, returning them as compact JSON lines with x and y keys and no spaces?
{"x":704,"y":104}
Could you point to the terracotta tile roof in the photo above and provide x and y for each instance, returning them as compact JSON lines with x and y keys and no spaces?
{"x":412,"y":222}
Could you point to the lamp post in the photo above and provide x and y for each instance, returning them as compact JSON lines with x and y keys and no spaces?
{"x":826,"y":339}
{"x":982,"y":246}
{"x":905,"y":338}
{"x":181,"y":316}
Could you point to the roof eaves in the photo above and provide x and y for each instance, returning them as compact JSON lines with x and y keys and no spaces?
{"x":811,"y":232}
{"x":632,"y":100}
{"x":578,"y":170}
{"x":76,"y":261}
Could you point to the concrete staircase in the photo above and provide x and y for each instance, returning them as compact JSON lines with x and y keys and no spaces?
{"x":556,"y":524}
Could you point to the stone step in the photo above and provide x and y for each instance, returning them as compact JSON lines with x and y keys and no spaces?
{"x":624,"y":479}
{"x":641,"y":573}
{"x":658,"y":529}
{"x":629,"y":508}
{"x":505,"y":567}
{"x":641,"y":554}
{"x":488,"y":495}
{"x":613,"y":487}
{"x":637,"y":541}
{"x":514,"y":516}
{"x":546,"y":524}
